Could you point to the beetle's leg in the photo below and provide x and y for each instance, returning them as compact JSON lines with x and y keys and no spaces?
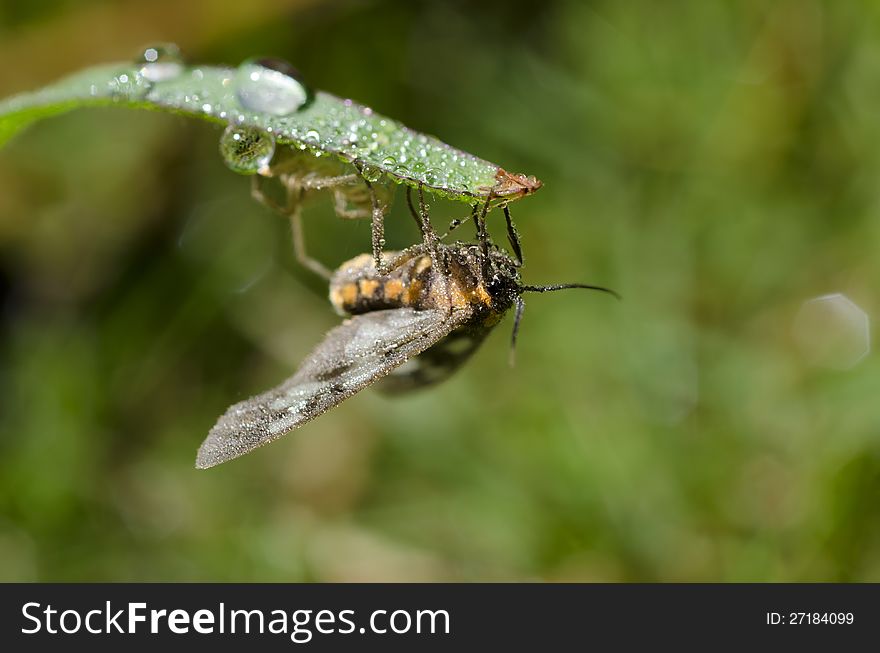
{"x":378,"y":230}
{"x":423,"y":220}
{"x":340,"y":206}
{"x":340,"y":196}
{"x":258,"y":194}
{"x":412,"y":211}
{"x":295,"y":196}
{"x":319,"y":183}
{"x":336,"y":183}
{"x":292,"y":210}
{"x":479,"y":217}
{"x":428,"y":233}
{"x":404,"y":255}
{"x":430,"y":241}
{"x":513,"y":236}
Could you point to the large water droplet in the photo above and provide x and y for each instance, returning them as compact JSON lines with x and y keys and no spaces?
{"x":312,"y":137}
{"x":270,"y":86}
{"x":371,"y":173}
{"x":418,"y":168}
{"x":246,"y":150}
{"x":160,"y":62}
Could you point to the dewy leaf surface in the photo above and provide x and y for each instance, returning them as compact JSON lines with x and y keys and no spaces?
{"x":317,"y":122}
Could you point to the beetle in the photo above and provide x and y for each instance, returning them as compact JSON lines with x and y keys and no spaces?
{"x":413,"y":321}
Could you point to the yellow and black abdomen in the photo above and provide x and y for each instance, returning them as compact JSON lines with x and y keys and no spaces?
{"x":357,"y":287}
{"x":456,"y":287}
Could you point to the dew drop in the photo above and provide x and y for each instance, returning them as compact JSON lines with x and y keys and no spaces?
{"x":160,"y":62}
{"x":371,"y":173}
{"x":389,"y":162}
{"x":270,"y":86}
{"x":246,"y":150}
{"x":128,"y":84}
{"x":312,"y":137}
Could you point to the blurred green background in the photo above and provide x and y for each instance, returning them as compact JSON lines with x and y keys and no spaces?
{"x":715,"y":162}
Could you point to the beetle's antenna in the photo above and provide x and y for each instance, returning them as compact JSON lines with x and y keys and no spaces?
{"x":521,"y":306}
{"x":565,"y":286}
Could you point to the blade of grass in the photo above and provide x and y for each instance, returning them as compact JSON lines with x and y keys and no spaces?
{"x":324,"y":125}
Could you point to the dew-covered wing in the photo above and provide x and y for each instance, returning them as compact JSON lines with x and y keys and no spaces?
{"x":436,"y":363}
{"x":355,"y":354}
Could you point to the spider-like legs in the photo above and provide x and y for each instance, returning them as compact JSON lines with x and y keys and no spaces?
{"x":346,"y":189}
{"x":377,"y":217}
{"x":423,"y":221}
{"x":479,"y":218}
{"x":512,"y":233}
{"x":299,"y":241}
{"x":355,"y":196}
{"x":292,"y":210}
{"x":513,"y":236}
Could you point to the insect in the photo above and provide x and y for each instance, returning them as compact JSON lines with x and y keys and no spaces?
{"x":409,"y":327}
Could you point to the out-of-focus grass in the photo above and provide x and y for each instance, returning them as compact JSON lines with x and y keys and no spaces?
{"x":715,"y":163}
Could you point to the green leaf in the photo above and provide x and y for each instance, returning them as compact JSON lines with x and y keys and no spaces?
{"x":316,"y":122}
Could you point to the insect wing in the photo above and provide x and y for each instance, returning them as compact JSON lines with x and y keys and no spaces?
{"x":434,"y":365}
{"x":360,"y":351}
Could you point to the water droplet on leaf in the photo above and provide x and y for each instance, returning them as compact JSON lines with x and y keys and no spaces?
{"x":371,"y":173}
{"x":270,"y":86}
{"x":246,"y":150}
{"x":160,"y":62}
{"x":128,"y":84}
{"x":418,"y":168}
